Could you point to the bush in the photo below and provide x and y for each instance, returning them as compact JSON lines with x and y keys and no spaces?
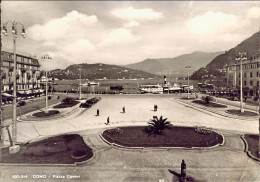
{"x":115,"y":131}
{"x":207,"y":99}
{"x":67,"y":100}
{"x":203,"y":131}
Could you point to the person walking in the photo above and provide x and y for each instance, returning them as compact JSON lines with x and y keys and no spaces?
{"x":107,"y":120}
{"x":97,"y":112}
{"x":124,"y":109}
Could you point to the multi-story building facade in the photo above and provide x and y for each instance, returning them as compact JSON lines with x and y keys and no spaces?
{"x":27,"y":76}
{"x":250,"y":76}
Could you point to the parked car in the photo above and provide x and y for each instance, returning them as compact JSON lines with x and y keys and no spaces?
{"x":21,"y":103}
{"x":233,"y":98}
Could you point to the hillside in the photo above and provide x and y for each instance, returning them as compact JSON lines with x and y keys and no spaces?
{"x":217,"y":65}
{"x":98,"y":71}
{"x":175,"y":66}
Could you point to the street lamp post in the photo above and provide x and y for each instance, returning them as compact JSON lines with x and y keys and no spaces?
{"x":14,"y":148}
{"x":188,"y":67}
{"x":241,"y":57}
{"x":79,"y":68}
{"x":235,"y":75}
{"x":46,"y":57}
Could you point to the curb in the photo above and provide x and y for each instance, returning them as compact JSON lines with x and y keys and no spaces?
{"x":45,"y":119}
{"x":202,"y":109}
{"x":162,"y":148}
{"x":246,"y":149}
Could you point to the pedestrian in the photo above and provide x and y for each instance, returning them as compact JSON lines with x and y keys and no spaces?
{"x":97,"y":112}
{"x":107,"y":120}
{"x":124,"y":109}
{"x":154,"y":107}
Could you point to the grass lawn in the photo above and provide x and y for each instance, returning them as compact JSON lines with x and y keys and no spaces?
{"x":42,"y":114}
{"x":211,"y":104}
{"x":54,"y":150}
{"x":253,"y":144}
{"x":64,"y":105}
{"x":238,"y":112}
{"x":172,"y":137}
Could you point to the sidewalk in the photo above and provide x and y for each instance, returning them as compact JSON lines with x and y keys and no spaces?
{"x":219,"y":111}
{"x":63,"y":113}
{"x":26,"y":124}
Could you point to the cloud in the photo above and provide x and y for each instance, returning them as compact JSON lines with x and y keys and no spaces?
{"x":254,"y":13}
{"x":120,"y":35}
{"x":131,"y":24}
{"x":136,"y":14}
{"x":212,"y":22}
{"x":70,"y":25}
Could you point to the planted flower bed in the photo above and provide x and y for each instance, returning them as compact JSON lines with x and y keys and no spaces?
{"x":210,"y":104}
{"x":67,"y":102}
{"x":253,"y":145}
{"x":171,"y":137}
{"x":64,"y":149}
{"x":43,"y":114}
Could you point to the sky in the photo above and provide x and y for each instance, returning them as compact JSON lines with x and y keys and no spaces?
{"x":125,"y":32}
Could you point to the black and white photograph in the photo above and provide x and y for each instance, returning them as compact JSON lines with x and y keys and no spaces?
{"x":129,"y":91}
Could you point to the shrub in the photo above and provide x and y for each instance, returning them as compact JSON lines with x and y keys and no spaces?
{"x":115,"y":131}
{"x":157,"y":125}
{"x":207,"y":99}
{"x":203,"y":131}
{"x":67,"y":100}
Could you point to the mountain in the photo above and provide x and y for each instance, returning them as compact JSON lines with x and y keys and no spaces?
{"x":217,"y":66}
{"x":98,"y":71}
{"x":175,"y":66}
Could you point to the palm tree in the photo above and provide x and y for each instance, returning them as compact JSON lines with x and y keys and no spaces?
{"x":157,"y":125}
{"x":207,"y":99}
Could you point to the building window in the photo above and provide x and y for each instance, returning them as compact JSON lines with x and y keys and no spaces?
{"x":245,"y":83}
{"x":239,"y":75}
{"x":245,"y":75}
{"x":251,"y":83}
{"x":257,"y":74}
{"x":239,"y":83}
{"x":257,"y":83}
{"x":251,"y":74}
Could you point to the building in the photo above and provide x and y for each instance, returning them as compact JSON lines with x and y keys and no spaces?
{"x":28,"y":73}
{"x":250,"y":77}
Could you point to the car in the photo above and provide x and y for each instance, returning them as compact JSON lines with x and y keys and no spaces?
{"x":21,"y":103}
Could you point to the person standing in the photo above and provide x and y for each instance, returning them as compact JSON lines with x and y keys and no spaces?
{"x":107,"y":120}
{"x":124,"y":109}
{"x":97,"y":112}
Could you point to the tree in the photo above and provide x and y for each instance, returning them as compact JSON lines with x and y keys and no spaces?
{"x":207,"y":99}
{"x":157,"y":125}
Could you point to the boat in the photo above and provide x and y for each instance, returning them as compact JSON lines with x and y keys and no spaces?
{"x":151,"y":89}
{"x":92,"y":83}
{"x":159,"y":89}
{"x":89,"y":84}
